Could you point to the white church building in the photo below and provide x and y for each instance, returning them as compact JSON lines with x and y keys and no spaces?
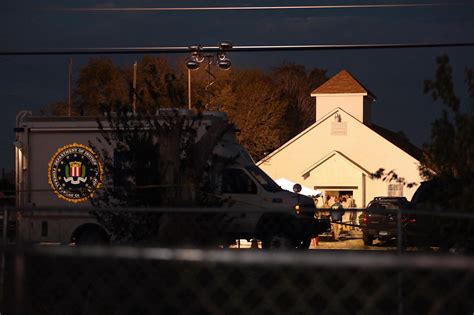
{"x":338,"y":153}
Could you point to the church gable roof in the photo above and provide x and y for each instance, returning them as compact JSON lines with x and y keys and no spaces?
{"x":392,"y":137}
{"x":342,"y":83}
{"x":330,"y":156}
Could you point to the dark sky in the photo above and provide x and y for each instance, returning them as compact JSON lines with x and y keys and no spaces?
{"x":394,"y":76}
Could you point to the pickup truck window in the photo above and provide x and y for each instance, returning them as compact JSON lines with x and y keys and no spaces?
{"x":267,"y":183}
{"x":235,"y":181}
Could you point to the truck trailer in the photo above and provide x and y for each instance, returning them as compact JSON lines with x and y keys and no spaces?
{"x":60,"y":173}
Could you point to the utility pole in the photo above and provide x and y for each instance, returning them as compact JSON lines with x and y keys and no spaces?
{"x":189,"y":89}
{"x":134,"y":103}
{"x":69,"y":103}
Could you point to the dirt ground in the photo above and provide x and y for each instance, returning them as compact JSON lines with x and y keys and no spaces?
{"x":349,"y":240}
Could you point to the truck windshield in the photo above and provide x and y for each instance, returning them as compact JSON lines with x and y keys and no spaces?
{"x":267,"y":183}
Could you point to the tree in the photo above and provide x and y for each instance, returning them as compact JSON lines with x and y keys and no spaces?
{"x":255,"y":107}
{"x":295,"y":84}
{"x":451,"y":150}
{"x":100,"y":84}
{"x":158,"y":84}
{"x":207,"y":85}
{"x":59,"y":108}
{"x":158,"y":161}
{"x":449,"y":156}
{"x":450,"y":153}
{"x":268,"y":108}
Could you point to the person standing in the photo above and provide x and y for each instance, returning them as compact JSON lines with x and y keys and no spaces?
{"x":319,"y":201}
{"x":336,"y":216}
{"x":353,"y":214}
{"x":331,"y":201}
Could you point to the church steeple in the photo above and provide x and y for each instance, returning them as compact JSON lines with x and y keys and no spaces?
{"x":344,"y":91}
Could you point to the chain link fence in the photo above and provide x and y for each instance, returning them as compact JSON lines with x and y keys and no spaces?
{"x":392,"y":276}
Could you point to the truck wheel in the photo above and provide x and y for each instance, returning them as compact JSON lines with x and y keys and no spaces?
{"x":278,"y":241}
{"x":368,"y":239}
{"x":91,"y":236}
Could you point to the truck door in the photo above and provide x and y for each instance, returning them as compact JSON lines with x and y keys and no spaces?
{"x":243,"y":192}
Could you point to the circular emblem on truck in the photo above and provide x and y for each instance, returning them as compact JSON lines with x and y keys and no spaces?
{"x":75,"y":172}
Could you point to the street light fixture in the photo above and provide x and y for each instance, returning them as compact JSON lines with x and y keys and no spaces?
{"x":192,"y":64}
{"x":197,"y":58}
{"x":224,"y":64}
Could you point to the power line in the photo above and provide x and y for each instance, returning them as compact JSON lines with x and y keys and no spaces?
{"x":243,"y":48}
{"x":262,"y":8}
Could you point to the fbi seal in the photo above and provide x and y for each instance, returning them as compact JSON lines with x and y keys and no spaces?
{"x":75,"y":173}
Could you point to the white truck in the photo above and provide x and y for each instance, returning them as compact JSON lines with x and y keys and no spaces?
{"x":58,"y":174}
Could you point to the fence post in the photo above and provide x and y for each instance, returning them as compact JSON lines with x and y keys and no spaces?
{"x":399,"y":252}
{"x":3,"y":262}
{"x":5,"y":225}
{"x":399,"y":232}
{"x":19,"y":282}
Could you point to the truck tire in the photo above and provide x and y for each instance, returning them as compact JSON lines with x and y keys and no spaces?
{"x":278,"y":241}
{"x":90,"y":235}
{"x":368,"y":239}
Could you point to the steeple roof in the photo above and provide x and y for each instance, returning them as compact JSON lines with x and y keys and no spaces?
{"x":342,"y":83}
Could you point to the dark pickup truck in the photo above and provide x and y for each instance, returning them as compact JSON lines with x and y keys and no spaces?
{"x":379,"y":221}
{"x":429,"y":220}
